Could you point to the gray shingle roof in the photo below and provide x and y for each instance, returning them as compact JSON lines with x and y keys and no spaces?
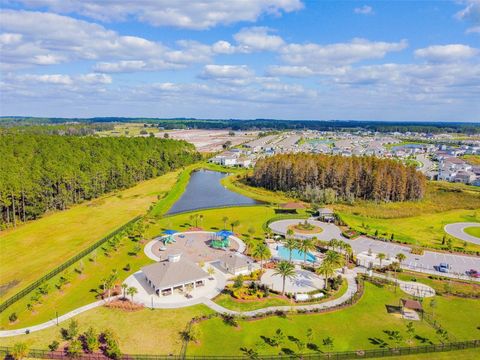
{"x":165,"y":273}
{"x":235,"y":260}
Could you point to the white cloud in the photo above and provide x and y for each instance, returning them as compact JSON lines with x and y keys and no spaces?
{"x":471,"y":14}
{"x":364,"y":10}
{"x":315,"y":55}
{"x":56,"y":79}
{"x":34,"y":38}
{"x":258,"y":39}
{"x":95,"y":78}
{"x":196,"y":15}
{"x":446,"y":53}
{"x":473,"y":30}
{"x":291,"y":71}
{"x":227,"y":71}
{"x":223,"y":47}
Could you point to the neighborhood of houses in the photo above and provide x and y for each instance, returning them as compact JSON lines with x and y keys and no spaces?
{"x":439,"y":157}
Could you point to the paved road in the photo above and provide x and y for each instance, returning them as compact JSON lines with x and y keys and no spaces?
{"x":425,"y":263}
{"x":427,"y":164}
{"x":458,"y":230}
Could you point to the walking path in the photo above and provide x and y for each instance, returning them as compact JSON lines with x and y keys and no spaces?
{"x":426,"y":263}
{"x":352,"y":289}
{"x":409,"y":287}
{"x":350,"y":277}
{"x":53,"y":322}
{"x":458,"y":230}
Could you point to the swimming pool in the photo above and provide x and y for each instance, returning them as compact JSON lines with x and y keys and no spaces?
{"x":284,"y":254}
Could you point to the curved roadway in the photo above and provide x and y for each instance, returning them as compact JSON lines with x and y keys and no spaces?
{"x":458,"y":230}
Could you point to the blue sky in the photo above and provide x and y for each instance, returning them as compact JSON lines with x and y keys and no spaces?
{"x":289,"y":59}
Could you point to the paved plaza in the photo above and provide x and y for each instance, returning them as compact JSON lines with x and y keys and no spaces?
{"x":304,"y":282}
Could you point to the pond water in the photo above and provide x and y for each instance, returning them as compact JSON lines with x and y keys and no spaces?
{"x":204,"y":190}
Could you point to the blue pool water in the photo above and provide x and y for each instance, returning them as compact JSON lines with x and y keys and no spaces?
{"x":284,"y":254}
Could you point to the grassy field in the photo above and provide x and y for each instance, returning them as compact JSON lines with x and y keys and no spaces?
{"x":474,"y":231}
{"x":417,"y":223}
{"x":472,"y":159}
{"x":470,"y":354}
{"x":127,"y":129}
{"x":83,"y":288}
{"x":367,"y":322}
{"x":60,"y":235}
{"x":235,"y":183}
{"x":140,"y":332}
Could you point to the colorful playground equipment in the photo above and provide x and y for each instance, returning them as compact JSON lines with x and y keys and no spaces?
{"x":168,"y":239}
{"x":221,"y":239}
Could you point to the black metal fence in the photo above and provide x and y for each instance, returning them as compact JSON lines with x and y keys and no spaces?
{"x":343,"y":355}
{"x":62,"y":267}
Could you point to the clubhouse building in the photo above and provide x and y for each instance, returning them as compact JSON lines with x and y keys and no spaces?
{"x":176,"y":274}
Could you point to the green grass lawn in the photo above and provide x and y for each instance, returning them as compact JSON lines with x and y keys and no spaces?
{"x":423,"y":230}
{"x":140,"y":332}
{"x":361,"y":326}
{"x":235,"y":183}
{"x":33,"y":249}
{"x":474,"y":231}
{"x":470,"y":354}
{"x":82,"y":289}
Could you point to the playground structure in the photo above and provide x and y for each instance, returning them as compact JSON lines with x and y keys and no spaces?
{"x":169,"y":238}
{"x":221,"y":239}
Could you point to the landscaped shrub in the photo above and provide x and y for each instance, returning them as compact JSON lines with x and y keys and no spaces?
{"x":351,"y":234}
{"x":13,"y":317}
{"x":54,"y":345}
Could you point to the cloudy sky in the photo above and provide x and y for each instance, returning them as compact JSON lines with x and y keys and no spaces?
{"x":289,"y":59}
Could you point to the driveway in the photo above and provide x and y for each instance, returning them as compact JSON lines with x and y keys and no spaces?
{"x":458,"y":230}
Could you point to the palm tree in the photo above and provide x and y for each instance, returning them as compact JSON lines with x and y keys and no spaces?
{"x":305,"y":246}
{"x":261,"y":252}
{"x":336,"y":259}
{"x":286,"y":270}
{"x":381,"y":257}
{"x":333,"y":244}
{"x":234,"y":224}
{"x":290,"y":234}
{"x":132,"y":290}
{"x":327,"y":270}
{"x":225,"y":219}
{"x":124,"y":288}
{"x":401,"y":258}
{"x":291,"y":244}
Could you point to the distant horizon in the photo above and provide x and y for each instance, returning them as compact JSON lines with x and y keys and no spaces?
{"x":237,"y":119}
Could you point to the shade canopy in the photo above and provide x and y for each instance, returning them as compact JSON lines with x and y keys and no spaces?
{"x":224,"y":233}
{"x":170,"y":232}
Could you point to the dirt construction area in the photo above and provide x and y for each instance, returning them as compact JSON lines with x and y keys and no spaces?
{"x":210,"y":140}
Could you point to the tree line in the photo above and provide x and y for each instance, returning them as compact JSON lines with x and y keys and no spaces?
{"x":41,"y":172}
{"x":326,"y":179}
{"x":264,"y":124}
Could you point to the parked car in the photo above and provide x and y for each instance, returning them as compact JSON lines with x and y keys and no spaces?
{"x":444,"y":267}
{"x":473,"y":273}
